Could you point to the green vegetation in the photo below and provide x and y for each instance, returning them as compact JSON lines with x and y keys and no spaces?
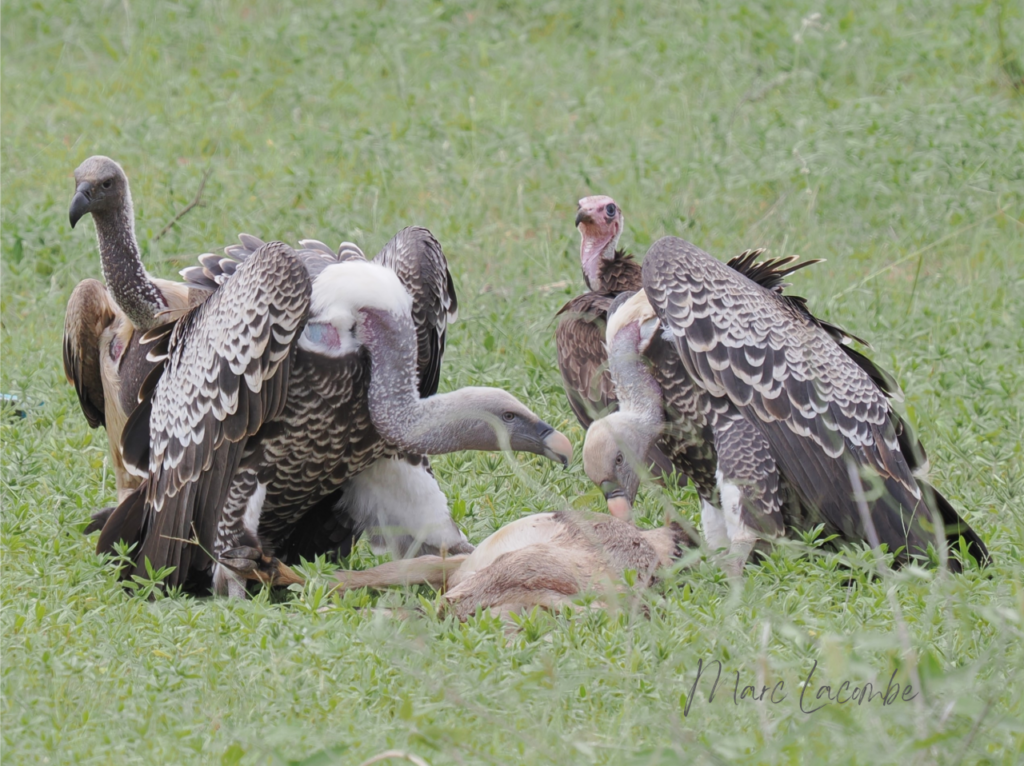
{"x":885,"y":136}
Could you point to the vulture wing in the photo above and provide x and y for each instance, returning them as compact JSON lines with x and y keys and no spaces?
{"x":417,"y":258}
{"x":816,"y":406}
{"x":90,"y":312}
{"x":225,"y":375}
{"x":582,"y":357}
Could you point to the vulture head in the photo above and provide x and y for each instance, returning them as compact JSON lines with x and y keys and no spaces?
{"x":612,"y":453}
{"x":100,"y":187}
{"x":358,"y":303}
{"x":491,"y":420}
{"x":599,"y":221}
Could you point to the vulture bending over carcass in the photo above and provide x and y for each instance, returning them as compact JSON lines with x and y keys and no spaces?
{"x":780,"y":425}
{"x":292,"y":410}
{"x":103,"y":324}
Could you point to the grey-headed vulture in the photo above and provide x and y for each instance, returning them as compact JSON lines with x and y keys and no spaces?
{"x":104,"y":322}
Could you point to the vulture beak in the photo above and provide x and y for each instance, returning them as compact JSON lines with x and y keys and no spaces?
{"x":618,"y":505}
{"x":556,"y":446}
{"x":582,"y":217}
{"x":80,"y":203}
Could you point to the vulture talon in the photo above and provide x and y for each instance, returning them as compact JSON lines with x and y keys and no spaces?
{"x":243,"y":552}
{"x":241,"y":566}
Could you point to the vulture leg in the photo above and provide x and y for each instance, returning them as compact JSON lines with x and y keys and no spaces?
{"x":236,"y":548}
{"x":248,"y":563}
{"x":747,"y":490}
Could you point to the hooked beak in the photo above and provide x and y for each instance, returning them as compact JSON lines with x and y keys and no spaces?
{"x":618,"y":505}
{"x":556,"y":446}
{"x":80,"y":203}
{"x":582,"y":217}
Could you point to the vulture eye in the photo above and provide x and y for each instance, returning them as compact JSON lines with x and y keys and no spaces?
{"x":610,"y":210}
{"x":108,"y":183}
{"x":508,"y":417}
{"x":618,"y":459}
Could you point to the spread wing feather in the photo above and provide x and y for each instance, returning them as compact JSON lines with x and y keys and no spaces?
{"x":416,"y":257}
{"x":818,"y":405}
{"x":225,"y":374}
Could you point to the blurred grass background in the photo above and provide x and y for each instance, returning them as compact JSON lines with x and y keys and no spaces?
{"x":885,"y":136}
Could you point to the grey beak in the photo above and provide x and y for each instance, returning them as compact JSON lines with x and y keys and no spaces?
{"x":582,"y":217}
{"x":80,"y":203}
{"x":555,"y":445}
{"x":611,"y":489}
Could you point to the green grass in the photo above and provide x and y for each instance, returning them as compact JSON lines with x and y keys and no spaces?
{"x":885,"y":136}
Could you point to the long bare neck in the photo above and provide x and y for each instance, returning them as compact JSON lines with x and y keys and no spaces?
{"x":635,"y":387}
{"x":436,"y":425}
{"x":126,"y":278}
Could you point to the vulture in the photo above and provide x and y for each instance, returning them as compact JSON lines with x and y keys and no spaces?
{"x":779,"y":423}
{"x":579,"y":337}
{"x":103,"y":358}
{"x":293,"y":409}
{"x":545,"y":559}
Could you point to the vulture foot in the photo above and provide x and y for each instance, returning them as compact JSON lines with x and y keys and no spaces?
{"x":734,"y":561}
{"x":252,"y":564}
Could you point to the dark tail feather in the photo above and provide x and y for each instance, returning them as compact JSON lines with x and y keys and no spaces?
{"x":660,"y":465}
{"x":99,"y":519}
{"x":125,"y":522}
{"x":955,"y":529}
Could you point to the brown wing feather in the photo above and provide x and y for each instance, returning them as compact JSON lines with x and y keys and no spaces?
{"x":582,"y":357}
{"x":227,"y":368}
{"x":815,"y":404}
{"x":621,"y":274}
{"x":422,"y":268}
{"x":90,"y":312}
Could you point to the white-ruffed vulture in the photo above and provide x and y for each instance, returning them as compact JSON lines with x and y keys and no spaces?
{"x":293,"y":410}
{"x":779,"y":423}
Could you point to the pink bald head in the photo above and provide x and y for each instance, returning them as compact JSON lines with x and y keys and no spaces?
{"x":599,"y":220}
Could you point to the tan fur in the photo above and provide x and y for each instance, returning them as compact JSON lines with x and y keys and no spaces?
{"x":544,"y":560}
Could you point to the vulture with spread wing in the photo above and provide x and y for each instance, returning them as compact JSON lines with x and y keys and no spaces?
{"x":292,"y":411}
{"x":779,"y":423}
{"x":104,"y":323}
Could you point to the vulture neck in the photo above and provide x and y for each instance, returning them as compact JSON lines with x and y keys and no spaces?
{"x":126,"y":278}
{"x":635,"y":387}
{"x":596,"y":258}
{"x":436,"y":425}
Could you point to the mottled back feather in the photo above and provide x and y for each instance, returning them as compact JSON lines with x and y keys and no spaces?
{"x":818,"y":406}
